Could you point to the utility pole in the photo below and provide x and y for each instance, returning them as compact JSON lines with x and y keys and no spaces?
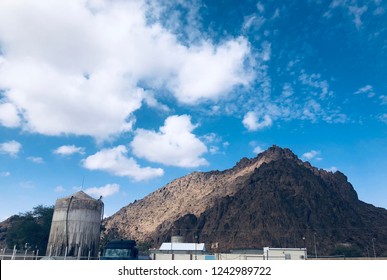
{"x":373,"y":246}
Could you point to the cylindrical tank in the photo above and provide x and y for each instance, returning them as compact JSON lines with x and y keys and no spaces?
{"x":76,"y":225}
{"x":177,"y":239}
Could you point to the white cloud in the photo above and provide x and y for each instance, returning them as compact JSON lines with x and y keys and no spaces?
{"x":11,"y":148}
{"x":105,"y":191}
{"x":8,"y":115}
{"x":311,"y":155}
{"x":368,"y":89}
{"x":59,"y":189}
{"x":383,"y":118}
{"x":257,"y":150}
{"x":287,"y":90}
{"x":332,"y":169}
{"x":383,"y":98}
{"x":173,"y":145}
{"x":212,"y":138}
{"x":253,"y":22}
{"x":213,"y":141}
{"x":5,"y":174}
{"x":208,"y":72}
{"x":67,"y":150}
{"x":379,"y":11}
{"x":357,"y":13}
{"x":313,"y":102}
{"x":312,"y":110}
{"x":316,"y":82}
{"x":81,"y":64}
{"x":266,"y":51}
{"x":353,"y":9}
{"x":213,"y":150}
{"x":116,"y":162}
{"x":276,"y":14}
{"x":260,"y":7}
{"x":38,"y":160}
{"x":253,"y":122}
{"x":152,"y":102}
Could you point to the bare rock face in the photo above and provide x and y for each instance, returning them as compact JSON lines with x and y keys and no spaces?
{"x":272,"y":200}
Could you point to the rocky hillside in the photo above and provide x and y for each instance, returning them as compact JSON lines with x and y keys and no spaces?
{"x":272,"y":200}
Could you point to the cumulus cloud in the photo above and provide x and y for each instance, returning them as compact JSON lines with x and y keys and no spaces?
{"x":82,"y":63}
{"x":8,"y":115}
{"x":311,"y":155}
{"x":174,"y":144}
{"x":116,"y":162}
{"x":67,"y":150}
{"x":11,"y":148}
{"x":253,"y":122}
{"x":209,"y":72}
{"x":105,"y":191}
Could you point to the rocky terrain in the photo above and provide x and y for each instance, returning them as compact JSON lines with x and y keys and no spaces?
{"x":273,"y":200}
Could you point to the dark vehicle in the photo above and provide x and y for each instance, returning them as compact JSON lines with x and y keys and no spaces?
{"x":120,"y":250}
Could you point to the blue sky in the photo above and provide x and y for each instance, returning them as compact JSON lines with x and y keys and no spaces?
{"x":121,"y":97}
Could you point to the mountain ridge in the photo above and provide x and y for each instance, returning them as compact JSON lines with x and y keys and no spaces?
{"x":258,"y":202}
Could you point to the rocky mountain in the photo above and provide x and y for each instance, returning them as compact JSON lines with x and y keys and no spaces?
{"x":274,"y":199}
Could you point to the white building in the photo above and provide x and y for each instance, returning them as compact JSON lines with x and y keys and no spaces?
{"x":284,"y":253}
{"x":180,"y":251}
{"x":241,"y":254}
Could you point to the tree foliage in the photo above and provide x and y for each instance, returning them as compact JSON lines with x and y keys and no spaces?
{"x":347,"y":251}
{"x":30,"y":230}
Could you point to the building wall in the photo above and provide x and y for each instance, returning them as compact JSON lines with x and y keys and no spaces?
{"x":240,"y":256}
{"x":183,"y":256}
{"x":284,"y":253}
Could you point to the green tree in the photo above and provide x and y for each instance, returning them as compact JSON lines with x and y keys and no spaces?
{"x":31,"y":229}
{"x":143,"y":247}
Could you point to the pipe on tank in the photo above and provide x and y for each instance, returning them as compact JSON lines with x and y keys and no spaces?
{"x":67,"y":221}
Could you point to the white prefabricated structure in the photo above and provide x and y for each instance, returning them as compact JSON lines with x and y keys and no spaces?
{"x":180,"y":251}
{"x":241,"y":254}
{"x":76,"y":226}
{"x":284,"y":253}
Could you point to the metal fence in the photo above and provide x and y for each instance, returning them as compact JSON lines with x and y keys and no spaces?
{"x":15,"y":254}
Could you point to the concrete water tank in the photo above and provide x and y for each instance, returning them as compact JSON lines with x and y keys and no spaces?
{"x":75,"y":228}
